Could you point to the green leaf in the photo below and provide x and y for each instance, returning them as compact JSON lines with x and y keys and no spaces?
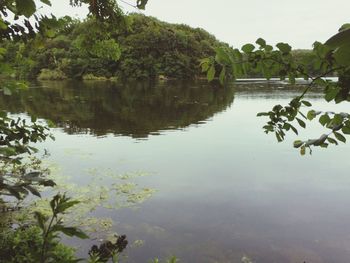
{"x":222,"y":57}
{"x":41,"y":219}
{"x":205,"y":64}
{"x":324,"y":119}
{"x":25,"y":7}
{"x":248,"y":48}
{"x":345,"y":26}
{"x":339,"y":39}
{"x":61,"y":208}
{"x":298,"y":144}
{"x":302,"y":150}
{"x":342,"y":55}
{"x":306,"y":103}
{"x":346,"y":130}
{"x":324,"y":145}
{"x":33,"y":190}
{"x":340,"y":137}
{"x":3,"y":26}
{"x":278,"y":137}
{"x":260,"y":114}
{"x":301,"y":123}
{"x":222,"y":76}
{"x":337,"y":119}
{"x":311,"y":115}
{"x":294,"y":129}
{"x":211,"y":73}
{"x":47,"y":2}
{"x":331,"y":93}
{"x":73,"y":231}
{"x":331,"y":140}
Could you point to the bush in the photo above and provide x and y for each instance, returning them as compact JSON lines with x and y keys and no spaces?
{"x":93,"y":77}
{"x":24,"y":244}
{"x":55,"y":74}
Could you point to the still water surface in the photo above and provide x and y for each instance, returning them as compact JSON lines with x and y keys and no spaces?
{"x":224,"y":188}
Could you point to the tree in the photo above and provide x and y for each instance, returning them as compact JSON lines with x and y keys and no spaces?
{"x":16,"y":135}
{"x":330,"y":57}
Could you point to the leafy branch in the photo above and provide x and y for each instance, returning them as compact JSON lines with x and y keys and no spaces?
{"x":330,"y":58}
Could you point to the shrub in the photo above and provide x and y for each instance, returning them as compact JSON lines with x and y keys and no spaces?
{"x":55,"y":74}
{"x":90,"y":76}
{"x":24,"y":244}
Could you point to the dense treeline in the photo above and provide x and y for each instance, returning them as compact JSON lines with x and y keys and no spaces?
{"x":142,"y":48}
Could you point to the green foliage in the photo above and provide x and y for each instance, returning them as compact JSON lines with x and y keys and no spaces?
{"x":18,"y":180}
{"x":23,"y":244}
{"x":91,"y":76}
{"x":40,"y":242}
{"x":141,"y":48}
{"x":93,"y":39}
{"x":152,"y":48}
{"x":16,"y":134}
{"x":170,"y":260}
{"x":52,"y":226}
{"x":55,"y":74}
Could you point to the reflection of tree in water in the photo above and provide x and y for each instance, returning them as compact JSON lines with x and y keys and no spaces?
{"x":135,"y":110}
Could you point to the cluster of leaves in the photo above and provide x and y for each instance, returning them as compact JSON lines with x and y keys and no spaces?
{"x":21,"y":27}
{"x":329,"y":58}
{"x":17,"y":134}
{"x":19,"y":178}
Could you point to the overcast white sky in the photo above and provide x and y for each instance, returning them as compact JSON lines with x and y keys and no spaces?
{"x":298,"y":22}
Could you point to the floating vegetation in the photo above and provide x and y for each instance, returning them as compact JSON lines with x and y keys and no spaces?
{"x":104,"y":189}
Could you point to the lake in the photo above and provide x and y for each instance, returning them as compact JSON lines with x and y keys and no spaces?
{"x":221,"y":188}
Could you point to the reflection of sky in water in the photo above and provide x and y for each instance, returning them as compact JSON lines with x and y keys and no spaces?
{"x":225,"y":189}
